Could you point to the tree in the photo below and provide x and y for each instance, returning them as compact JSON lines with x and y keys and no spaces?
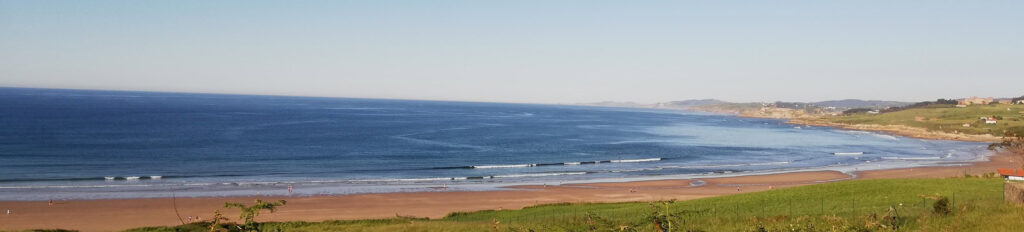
{"x":250,"y":212}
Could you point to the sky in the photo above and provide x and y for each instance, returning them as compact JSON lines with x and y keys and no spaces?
{"x":522,"y":51}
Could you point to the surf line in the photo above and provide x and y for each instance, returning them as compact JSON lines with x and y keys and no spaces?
{"x":563,"y":164}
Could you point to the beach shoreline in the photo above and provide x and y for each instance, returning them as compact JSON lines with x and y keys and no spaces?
{"x":126,"y":213}
{"x":120,"y":214}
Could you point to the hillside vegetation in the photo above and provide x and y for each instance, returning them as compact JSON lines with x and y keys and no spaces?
{"x":955,"y":204}
{"x":946,"y":118}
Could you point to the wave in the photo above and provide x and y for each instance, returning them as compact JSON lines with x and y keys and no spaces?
{"x":121,"y":178}
{"x":557,"y":164}
{"x":353,"y":108}
{"x":75,"y":186}
{"x":885,"y":136}
{"x":636,"y":160}
{"x":540,"y":174}
{"x":107,"y":178}
{"x":878,"y":135}
{"x":432,"y":179}
{"x":726,"y":165}
{"x":505,"y":166}
{"x":165,"y":177}
{"x":911,"y":158}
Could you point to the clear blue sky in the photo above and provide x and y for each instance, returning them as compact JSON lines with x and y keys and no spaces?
{"x":522,"y":51}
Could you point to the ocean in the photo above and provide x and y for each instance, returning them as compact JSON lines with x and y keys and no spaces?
{"x":83,"y":144}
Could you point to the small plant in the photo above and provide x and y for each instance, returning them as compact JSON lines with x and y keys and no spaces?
{"x":941,"y":206}
{"x":760,"y":228}
{"x":249,"y":213}
{"x":218,"y":218}
{"x":662,"y":220}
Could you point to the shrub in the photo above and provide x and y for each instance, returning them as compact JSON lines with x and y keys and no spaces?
{"x":249,"y":213}
{"x":942,"y":207}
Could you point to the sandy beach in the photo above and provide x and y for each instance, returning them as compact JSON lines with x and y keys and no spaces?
{"x":119,"y":214}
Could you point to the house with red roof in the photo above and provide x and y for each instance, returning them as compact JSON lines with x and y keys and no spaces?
{"x":1011,"y":174}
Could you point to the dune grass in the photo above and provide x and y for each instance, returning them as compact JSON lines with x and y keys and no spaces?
{"x":976,"y":204}
{"x":947,"y":118}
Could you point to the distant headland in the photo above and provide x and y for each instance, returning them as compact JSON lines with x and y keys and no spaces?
{"x":980,"y":119}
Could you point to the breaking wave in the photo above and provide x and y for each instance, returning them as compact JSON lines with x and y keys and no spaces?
{"x":559,"y":164}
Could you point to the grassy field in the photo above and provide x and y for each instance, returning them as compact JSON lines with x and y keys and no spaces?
{"x":861,"y":205}
{"x":947,"y":118}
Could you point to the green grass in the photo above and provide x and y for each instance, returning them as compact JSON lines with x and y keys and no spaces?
{"x":860,"y":205}
{"x":946,"y":118}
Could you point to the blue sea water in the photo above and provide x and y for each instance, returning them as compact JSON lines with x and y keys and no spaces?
{"x":61,"y":144}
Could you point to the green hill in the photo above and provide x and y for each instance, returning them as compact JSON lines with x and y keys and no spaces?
{"x":946,"y":118}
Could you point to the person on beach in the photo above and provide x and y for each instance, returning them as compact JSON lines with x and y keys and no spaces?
{"x":290,"y":189}
{"x":8,"y":211}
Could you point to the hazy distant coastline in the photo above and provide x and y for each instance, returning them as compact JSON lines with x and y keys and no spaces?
{"x":944,"y":119}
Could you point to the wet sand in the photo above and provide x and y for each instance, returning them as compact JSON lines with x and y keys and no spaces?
{"x":119,"y":214}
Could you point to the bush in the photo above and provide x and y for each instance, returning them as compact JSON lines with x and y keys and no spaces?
{"x":856,"y":111}
{"x":942,"y":207}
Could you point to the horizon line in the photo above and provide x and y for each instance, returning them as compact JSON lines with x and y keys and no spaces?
{"x":459,"y":100}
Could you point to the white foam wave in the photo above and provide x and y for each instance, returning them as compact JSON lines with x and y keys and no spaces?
{"x":728,"y":165}
{"x":636,"y":160}
{"x":885,"y":136}
{"x":75,"y":186}
{"x":911,"y":158}
{"x":424,"y":179}
{"x":539,"y":174}
{"x":474,"y":177}
{"x":847,"y":153}
{"x":506,"y":166}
